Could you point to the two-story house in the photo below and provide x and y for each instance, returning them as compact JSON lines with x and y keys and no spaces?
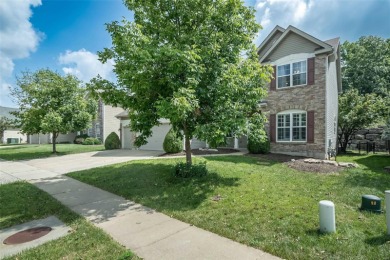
{"x":302,"y":102}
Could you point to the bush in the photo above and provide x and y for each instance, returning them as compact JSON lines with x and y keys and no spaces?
{"x":91,"y":141}
{"x":173,"y":143}
{"x":112,"y":142}
{"x":79,"y":139}
{"x":258,"y":144}
{"x":184,"y":170}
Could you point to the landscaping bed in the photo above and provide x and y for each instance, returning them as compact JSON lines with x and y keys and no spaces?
{"x":262,"y":203}
{"x":22,"y":202}
{"x":202,"y":152}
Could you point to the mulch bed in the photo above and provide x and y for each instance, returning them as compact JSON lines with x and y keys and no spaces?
{"x":298,"y":163}
{"x":294,"y":162}
{"x":202,"y":152}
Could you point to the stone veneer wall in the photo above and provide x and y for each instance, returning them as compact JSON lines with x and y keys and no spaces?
{"x":368,"y":136}
{"x":306,"y":98}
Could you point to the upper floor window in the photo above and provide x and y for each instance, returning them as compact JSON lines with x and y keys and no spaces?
{"x":292,"y":74}
{"x":291,"y":126}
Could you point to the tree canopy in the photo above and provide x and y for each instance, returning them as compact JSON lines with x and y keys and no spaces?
{"x":192,"y":62}
{"x":367,"y":65}
{"x":357,"y":111}
{"x":51,"y":103}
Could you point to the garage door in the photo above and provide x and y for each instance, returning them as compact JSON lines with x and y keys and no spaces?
{"x":155,"y":142}
{"x":127,"y":138}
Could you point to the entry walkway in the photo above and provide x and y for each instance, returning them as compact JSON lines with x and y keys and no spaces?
{"x":149,"y":234}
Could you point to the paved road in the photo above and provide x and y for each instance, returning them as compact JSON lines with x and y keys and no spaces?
{"x":150,"y":234}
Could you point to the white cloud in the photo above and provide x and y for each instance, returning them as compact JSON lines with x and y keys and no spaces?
{"x":18,"y":39}
{"x":348,"y":19}
{"x":85,"y":65}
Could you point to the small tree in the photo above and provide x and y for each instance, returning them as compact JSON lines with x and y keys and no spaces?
{"x":356,"y":112}
{"x":192,"y":62}
{"x":51,"y":103}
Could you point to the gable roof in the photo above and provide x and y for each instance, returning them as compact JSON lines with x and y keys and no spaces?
{"x":324,"y":47}
{"x":272,"y":33}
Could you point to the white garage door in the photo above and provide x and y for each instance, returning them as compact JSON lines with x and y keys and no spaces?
{"x":127,"y":138}
{"x":155,"y":142}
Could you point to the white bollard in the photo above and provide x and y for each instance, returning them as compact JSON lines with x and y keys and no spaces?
{"x":387,"y":198}
{"x":327,"y":217}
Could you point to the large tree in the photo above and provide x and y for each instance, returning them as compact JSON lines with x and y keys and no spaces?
{"x":366,"y":65}
{"x":192,"y":62}
{"x":357,"y":111}
{"x":51,"y":103}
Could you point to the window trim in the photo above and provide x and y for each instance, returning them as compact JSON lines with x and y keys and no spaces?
{"x":291,"y":74}
{"x":290,"y":112}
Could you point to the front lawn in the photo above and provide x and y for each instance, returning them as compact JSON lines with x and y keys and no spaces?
{"x":22,"y":202}
{"x":262,"y":203}
{"x":34,"y":151}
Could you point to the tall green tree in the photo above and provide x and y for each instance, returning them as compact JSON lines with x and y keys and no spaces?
{"x":357,"y":111}
{"x":51,"y":103}
{"x":366,"y":65}
{"x":192,"y":62}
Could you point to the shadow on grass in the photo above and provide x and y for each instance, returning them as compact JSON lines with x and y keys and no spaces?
{"x":375,"y":162}
{"x":152,"y":184}
{"x":378,"y":241}
{"x":237,"y":159}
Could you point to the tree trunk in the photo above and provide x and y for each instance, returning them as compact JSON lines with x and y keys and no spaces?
{"x":188,"y":150}
{"x":54,"y":142}
{"x":344,"y":143}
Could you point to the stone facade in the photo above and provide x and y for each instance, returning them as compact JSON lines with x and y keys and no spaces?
{"x":307,"y":98}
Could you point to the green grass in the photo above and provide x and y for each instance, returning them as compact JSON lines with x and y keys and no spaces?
{"x":32,"y":151}
{"x":264,"y":204}
{"x":22,"y":202}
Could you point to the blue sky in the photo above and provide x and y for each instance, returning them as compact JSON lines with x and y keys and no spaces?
{"x":64,"y":35}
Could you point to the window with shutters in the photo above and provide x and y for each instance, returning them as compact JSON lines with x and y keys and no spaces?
{"x":292,"y":74}
{"x":291,"y":126}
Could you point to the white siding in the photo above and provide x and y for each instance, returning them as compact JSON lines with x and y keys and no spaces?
{"x":66,"y":138}
{"x":39,"y":139}
{"x":292,"y":44}
{"x":331,"y":104}
{"x":14,"y":134}
{"x":111,"y":123}
{"x":196,"y":143}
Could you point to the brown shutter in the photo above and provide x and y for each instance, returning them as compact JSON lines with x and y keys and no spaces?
{"x":272,"y":127}
{"x":310,"y":126}
{"x":273,"y":81}
{"x":310,"y":71}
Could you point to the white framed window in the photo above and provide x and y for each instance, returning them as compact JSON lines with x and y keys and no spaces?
{"x":291,"y":126}
{"x":292,"y":74}
{"x":89,"y":132}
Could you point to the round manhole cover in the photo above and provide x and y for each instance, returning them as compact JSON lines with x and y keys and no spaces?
{"x":27,"y":235}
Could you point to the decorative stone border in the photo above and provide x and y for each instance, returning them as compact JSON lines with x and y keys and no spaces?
{"x":340,"y":164}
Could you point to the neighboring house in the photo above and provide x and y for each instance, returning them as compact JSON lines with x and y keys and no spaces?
{"x":302,"y":102}
{"x":105,"y":122}
{"x":12,"y":134}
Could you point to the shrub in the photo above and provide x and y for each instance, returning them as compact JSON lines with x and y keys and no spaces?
{"x":112,"y":142}
{"x":258,"y":144}
{"x":79,"y":139}
{"x":91,"y":141}
{"x":173,"y":143}
{"x":184,"y":170}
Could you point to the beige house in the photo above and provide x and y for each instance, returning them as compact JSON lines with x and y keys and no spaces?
{"x":302,"y":102}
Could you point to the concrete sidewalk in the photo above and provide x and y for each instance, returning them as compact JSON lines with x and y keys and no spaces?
{"x":149,"y":234}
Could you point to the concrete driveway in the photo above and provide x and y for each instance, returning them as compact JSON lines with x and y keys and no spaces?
{"x":57,"y":165}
